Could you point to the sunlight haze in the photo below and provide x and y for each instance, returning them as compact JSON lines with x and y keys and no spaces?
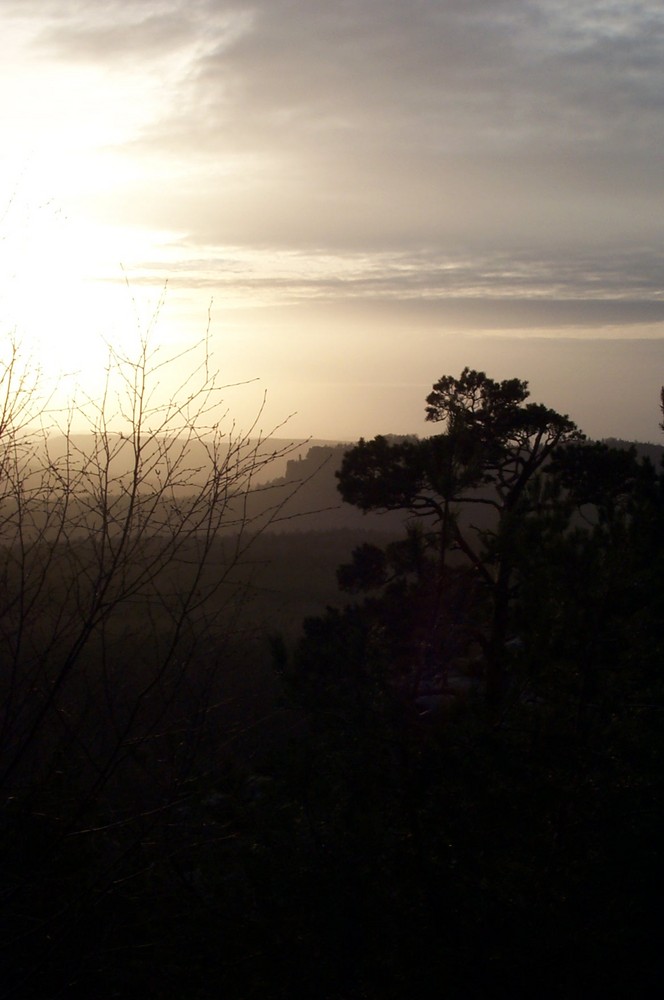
{"x":354,"y":199}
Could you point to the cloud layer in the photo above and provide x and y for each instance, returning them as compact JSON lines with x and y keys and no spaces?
{"x":385,"y":124}
{"x":465,"y":165}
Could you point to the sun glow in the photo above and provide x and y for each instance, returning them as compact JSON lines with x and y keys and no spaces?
{"x":67,"y":298}
{"x":67,"y":273}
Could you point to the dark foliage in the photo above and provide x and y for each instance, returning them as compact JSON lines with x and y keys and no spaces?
{"x":363,"y":824}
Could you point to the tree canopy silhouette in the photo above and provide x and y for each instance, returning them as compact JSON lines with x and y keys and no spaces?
{"x":493,"y":445}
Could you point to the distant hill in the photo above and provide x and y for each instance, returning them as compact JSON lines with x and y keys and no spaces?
{"x":311,"y":501}
{"x":293,"y":479}
{"x":655,"y":452}
{"x":270,"y":455}
{"x":314,"y":502}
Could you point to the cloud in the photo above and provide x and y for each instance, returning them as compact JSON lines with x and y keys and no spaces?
{"x":471,"y":76}
{"x":527,"y":131}
{"x":627,"y":276}
{"x":388,"y":124}
{"x":456,"y":77}
{"x":585,"y":293}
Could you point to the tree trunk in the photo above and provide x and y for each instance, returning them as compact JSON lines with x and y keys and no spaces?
{"x":495,"y":679}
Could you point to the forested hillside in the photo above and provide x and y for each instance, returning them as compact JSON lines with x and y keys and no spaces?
{"x":409,"y":745}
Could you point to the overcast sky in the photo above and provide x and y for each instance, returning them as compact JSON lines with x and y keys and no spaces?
{"x":373,"y":194}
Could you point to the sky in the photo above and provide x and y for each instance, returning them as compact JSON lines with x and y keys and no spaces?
{"x":351,"y":199}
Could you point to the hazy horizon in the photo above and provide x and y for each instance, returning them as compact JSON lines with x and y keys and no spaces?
{"x":357,"y":198}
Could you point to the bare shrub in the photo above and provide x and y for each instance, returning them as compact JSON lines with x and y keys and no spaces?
{"x":117,"y":619}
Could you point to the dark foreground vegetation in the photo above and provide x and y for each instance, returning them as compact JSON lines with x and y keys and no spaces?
{"x":447,"y":784}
